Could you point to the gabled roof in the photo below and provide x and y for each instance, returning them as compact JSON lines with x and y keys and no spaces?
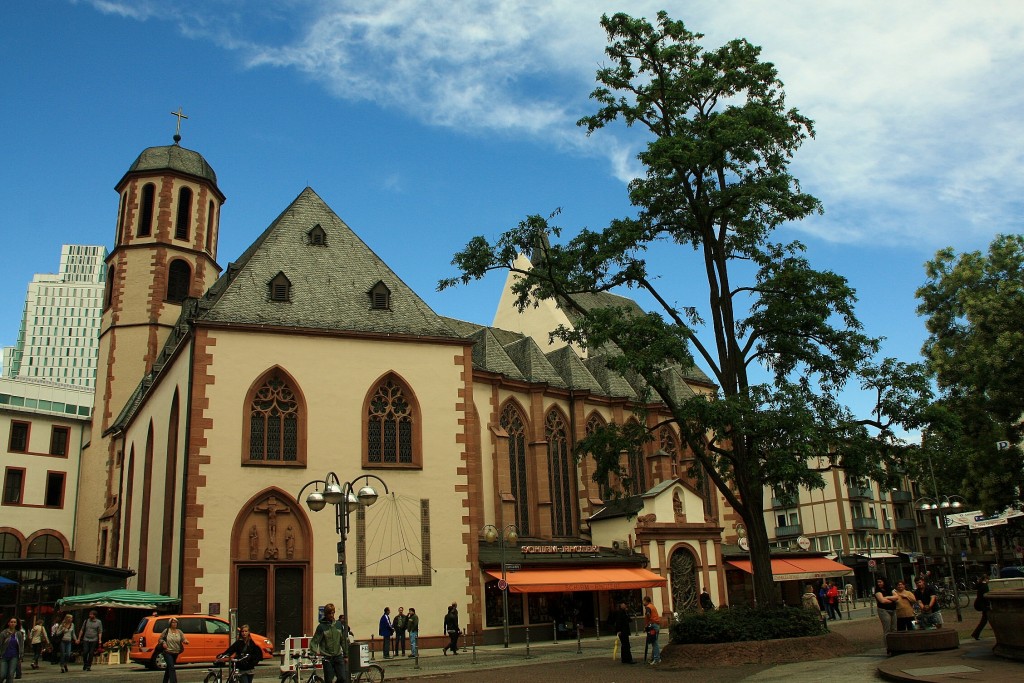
{"x":612,"y":382}
{"x":573,"y":371}
{"x":489,"y":354}
{"x":532,"y":363}
{"x":330,"y":283}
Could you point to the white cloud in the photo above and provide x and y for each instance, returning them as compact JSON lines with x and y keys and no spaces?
{"x":918,"y":104}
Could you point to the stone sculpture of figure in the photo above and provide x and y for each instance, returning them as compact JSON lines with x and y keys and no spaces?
{"x":254,"y":543}
{"x":289,"y":542}
{"x":272,"y":508}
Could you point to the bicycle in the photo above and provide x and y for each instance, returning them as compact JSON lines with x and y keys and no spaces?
{"x":371,"y":674}
{"x":216,"y":675}
{"x":946,"y":598}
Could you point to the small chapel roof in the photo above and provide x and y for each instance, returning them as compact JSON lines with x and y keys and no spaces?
{"x":174,"y":158}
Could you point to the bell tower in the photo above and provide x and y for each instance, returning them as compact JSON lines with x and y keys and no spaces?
{"x":165,"y":249}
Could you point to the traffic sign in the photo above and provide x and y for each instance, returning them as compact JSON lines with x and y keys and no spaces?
{"x":872,"y":564}
{"x":502,"y":584}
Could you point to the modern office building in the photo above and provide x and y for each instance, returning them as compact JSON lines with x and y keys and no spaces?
{"x":58,"y":340}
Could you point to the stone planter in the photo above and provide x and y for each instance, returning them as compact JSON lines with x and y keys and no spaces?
{"x":1006,"y":616}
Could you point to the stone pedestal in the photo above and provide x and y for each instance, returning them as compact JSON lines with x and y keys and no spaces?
{"x":929,"y":640}
{"x":1006,"y":617}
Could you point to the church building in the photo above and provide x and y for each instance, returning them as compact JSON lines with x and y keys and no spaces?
{"x":222,"y":391}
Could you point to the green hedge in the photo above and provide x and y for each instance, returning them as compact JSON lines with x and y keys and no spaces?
{"x":741,"y":623}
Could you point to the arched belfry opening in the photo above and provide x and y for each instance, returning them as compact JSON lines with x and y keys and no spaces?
{"x":271,"y":557}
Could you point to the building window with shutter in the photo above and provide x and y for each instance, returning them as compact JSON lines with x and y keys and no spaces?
{"x":380,"y":297}
{"x":280,"y":288}
{"x":179,"y":276}
{"x":318,"y":236}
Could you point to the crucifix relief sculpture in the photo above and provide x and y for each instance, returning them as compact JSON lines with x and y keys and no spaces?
{"x":272,"y":508}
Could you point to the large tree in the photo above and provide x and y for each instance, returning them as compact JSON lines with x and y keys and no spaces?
{"x":974,"y":305}
{"x":780,"y":338}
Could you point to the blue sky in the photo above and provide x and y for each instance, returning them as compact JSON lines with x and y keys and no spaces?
{"x":423,"y":123}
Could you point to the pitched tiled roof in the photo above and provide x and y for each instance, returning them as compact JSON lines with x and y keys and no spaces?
{"x":573,"y":371}
{"x":330,"y":283}
{"x":612,"y":382}
{"x":532,"y":363}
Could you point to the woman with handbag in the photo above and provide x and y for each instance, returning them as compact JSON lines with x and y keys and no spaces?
{"x":12,"y":646}
{"x":39,"y":640}
{"x":65,"y":636}
{"x":173,"y":642}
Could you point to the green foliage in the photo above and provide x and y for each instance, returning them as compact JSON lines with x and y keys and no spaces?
{"x":781,"y":339}
{"x":739,"y":624}
{"x":974,"y":305}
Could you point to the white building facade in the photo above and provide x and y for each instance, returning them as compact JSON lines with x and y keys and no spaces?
{"x":58,"y":340}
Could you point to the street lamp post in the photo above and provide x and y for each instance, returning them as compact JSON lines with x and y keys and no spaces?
{"x":510,"y":534}
{"x":345,"y":498}
{"x":940,"y":506}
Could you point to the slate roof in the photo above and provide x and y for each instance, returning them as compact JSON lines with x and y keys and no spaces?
{"x":629,"y":506}
{"x":174,"y":158}
{"x":330,"y":283}
{"x":572,"y":370}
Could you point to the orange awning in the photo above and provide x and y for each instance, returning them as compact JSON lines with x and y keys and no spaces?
{"x":578,"y":579}
{"x":799,"y":568}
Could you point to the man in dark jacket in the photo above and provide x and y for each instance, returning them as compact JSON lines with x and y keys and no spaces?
{"x":399,"y":623}
{"x":331,"y":641}
{"x":622,"y":629}
{"x":451,"y":627}
{"x":246,"y":654}
{"x":386,"y":630}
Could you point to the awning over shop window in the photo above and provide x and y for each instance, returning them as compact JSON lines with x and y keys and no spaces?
{"x":578,"y":579}
{"x":117,"y":598}
{"x":798,"y":568}
{"x":879,"y":556}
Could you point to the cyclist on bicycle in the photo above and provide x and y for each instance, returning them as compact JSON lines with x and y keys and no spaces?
{"x":331,"y":641}
{"x":246,"y":654}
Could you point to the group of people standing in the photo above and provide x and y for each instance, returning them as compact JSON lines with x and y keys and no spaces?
{"x":899,"y":608}
{"x":393,"y":632}
{"x":61,"y":638}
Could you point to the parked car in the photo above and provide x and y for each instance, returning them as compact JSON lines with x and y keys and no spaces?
{"x":207,"y":637}
{"x":1011,"y":572}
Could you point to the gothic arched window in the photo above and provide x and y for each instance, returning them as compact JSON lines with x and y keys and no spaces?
{"x":594,"y":423}
{"x":561,"y":474}
{"x":277,"y":422}
{"x":514,"y":425}
{"x":392,"y":429}
{"x":146,"y":206}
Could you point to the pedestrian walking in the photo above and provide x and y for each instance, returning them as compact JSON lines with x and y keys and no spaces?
{"x":622,"y":628}
{"x":172,"y":641}
{"x":65,"y":635}
{"x":451,"y":627}
{"x":331,"y":641}
{"x":386,"y":630}
{"x":12,"y":647}
{"x":90,"y":636}
{"x":832,"y":598}
{"x":981,"y":604}
{"x":39,"y":641}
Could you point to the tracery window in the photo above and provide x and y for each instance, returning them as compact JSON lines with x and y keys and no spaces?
{"x":561,"y":474}
{"x":275,"y":422}
{"x":390,"y":420}
{"x":514,"y":425}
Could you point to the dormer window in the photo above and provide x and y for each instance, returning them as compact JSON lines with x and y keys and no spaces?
{"x":280,"y":288}
{"x":317,"y":236}
{"x":380,"y":297}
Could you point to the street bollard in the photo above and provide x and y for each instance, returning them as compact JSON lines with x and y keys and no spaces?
{"x":472,"y":639}
{"x":372,"y":658}
{"x":527,"y":642}
{"x":597,"y":627}
{"x":554,"y":632}
{"x":416,"y":659}
{"x":579,"y":639}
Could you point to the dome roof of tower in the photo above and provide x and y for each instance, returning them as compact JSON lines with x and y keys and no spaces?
{"x":174,"y":158}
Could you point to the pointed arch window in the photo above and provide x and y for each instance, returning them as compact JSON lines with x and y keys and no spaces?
{"x":594,"y":424}
{"x":561,"y":474}
{"x":514,"y":425}
{"x":179,"y":276}
{"x":637,"y":467}
{"x":146,"y":206}
{"x":276,"y":416}
{"x":183,"y":223}
{"x":209,"y":226}
{"x":392,"y":429}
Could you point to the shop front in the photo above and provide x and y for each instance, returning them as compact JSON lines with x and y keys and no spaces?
{"x":791,"y":571}
{"x":552,"y":590}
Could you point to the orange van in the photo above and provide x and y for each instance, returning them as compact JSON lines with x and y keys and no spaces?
{"x":207,"y":637}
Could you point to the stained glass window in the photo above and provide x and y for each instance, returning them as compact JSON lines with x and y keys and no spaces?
{"x":273,"y":422}
{"x":389,"y":431}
